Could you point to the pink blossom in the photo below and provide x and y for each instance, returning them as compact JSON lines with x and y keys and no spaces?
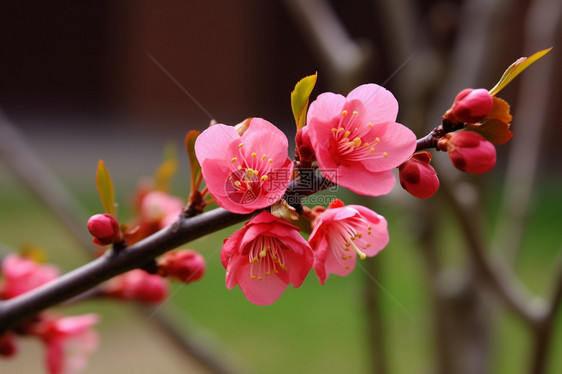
{"x":160,"y":208}
{"x":22,"y":274}
{"x":186,"y":265}
{"x":418,"y":177}
{"x":358,"y":136}
{"x":138,"y":285}
{"x":8,"y":345}
{"x":69,"y":342}
{"x":470,"y":151}
{"x":105,"y":229}
{"x":264,"y":256}
{"x":244,"y":172}
{"x":341,"y":233}
{"x":471,"y":105}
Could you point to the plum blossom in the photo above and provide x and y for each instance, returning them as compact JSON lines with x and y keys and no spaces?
{"x":418,"y":177}
{"x":341,"y":233}
{"x":359,"y":137}
{"x":105,"y":229}
{"x":186,"y":265}
{"x":69,"y":341}
{"x":244,"y":172}
{"x":264,"y":256}
{"x":469,"y":151}
{"x":22,"y":274}
{"x":471,"y":105}
{"x":137,"y":285}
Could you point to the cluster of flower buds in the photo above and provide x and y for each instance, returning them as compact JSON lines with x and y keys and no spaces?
{"x":68,"y":340}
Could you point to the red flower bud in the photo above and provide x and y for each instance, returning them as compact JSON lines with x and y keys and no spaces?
{"x":471,"y":105}
{"x":418,"y":177}
{"x":138,"y":285}
{"x":470,"y":152}
{"x":304,"y":147}
{"x":105,"y":229}
{"x":8,"y":347}
{"x":186,"y":265}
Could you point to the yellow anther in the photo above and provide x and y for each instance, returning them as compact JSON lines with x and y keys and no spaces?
{"x":370,"y":124}
{"x":344,"y":113}
{"x":356,"y":142}
{"x":263,"y":157}
{"x":239,"y":167}
{"x":263,"y":252}
{"x":233,"y":159}
{"x":240,"y":145}
{"x":253,"y":276}
{"x":260,"y":277}
{"x":354,"y":112}
{"x":377,"y":139}
{"x":264,"y":177}
{"x":371,"y":150}
{"x":347,"y":133}
{"x":334,"y":129}
{"x":250,"y":173}
{"x":340,"y":129}
{"x":254,"y":154}
{"x":384,"y":154}
{"x":237,"y":183}
{"x":270,"y":160}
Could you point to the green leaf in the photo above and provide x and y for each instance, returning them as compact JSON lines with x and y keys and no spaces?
{"x":515,"y":69}
{"x":300,"y":97}
{"x":167,"y":169}
{"x":190,"y":139}
{"x":104,"y":185}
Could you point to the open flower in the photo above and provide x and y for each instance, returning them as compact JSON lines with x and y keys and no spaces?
{"x":264,"y":256}
{"x":69,"y":342}
{"x":358,"y":137}
{"x":244,"y":172}
{"x":22,"y":274}
{"x":341,"y":233}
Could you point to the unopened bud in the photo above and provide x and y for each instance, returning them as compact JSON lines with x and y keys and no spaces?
{"x":243,"y":126}
{"x":105,"y":229}
{"x":304,"y":147}
{"x":471,"y":106}
{"x":471,"y":152}
{"x":8,"y":347}
{"x":186,"y":265}
{"x":138,"y":285}
{"x":418,"y":177}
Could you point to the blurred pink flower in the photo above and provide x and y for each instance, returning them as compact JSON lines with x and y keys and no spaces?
{"x":358,"y":137}
{"x":264,"y":256}
{"x":418,"y":177}
{"x":247,"y":172}
{"x":186,"y":265}
{"x":69,"y":342}
{"x":138,"y":285}
{"x":22,"y":274}
{"x":160,"y":208}
{"x":341,"y":233}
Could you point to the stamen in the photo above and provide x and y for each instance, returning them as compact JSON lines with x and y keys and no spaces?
{"x":254,"y":154}
{"x":347,"y":133}
{"x":240,"y":145}
{"x":385,"y":155}
{"x":233,"y":159}
{"x":344,"y":113}
{"x":354,"y":112}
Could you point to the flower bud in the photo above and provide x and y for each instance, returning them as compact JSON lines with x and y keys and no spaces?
{"x":304,"y":147}
{"x":186,"y":265}
{"x":243,"y":126}
{"x":105,"y":229}
{"x":8,"y":347}
{"x":470,"y":152}
{"x":138,"y":285}
{"x":418,"y":177}
{"x":471,"y":105}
